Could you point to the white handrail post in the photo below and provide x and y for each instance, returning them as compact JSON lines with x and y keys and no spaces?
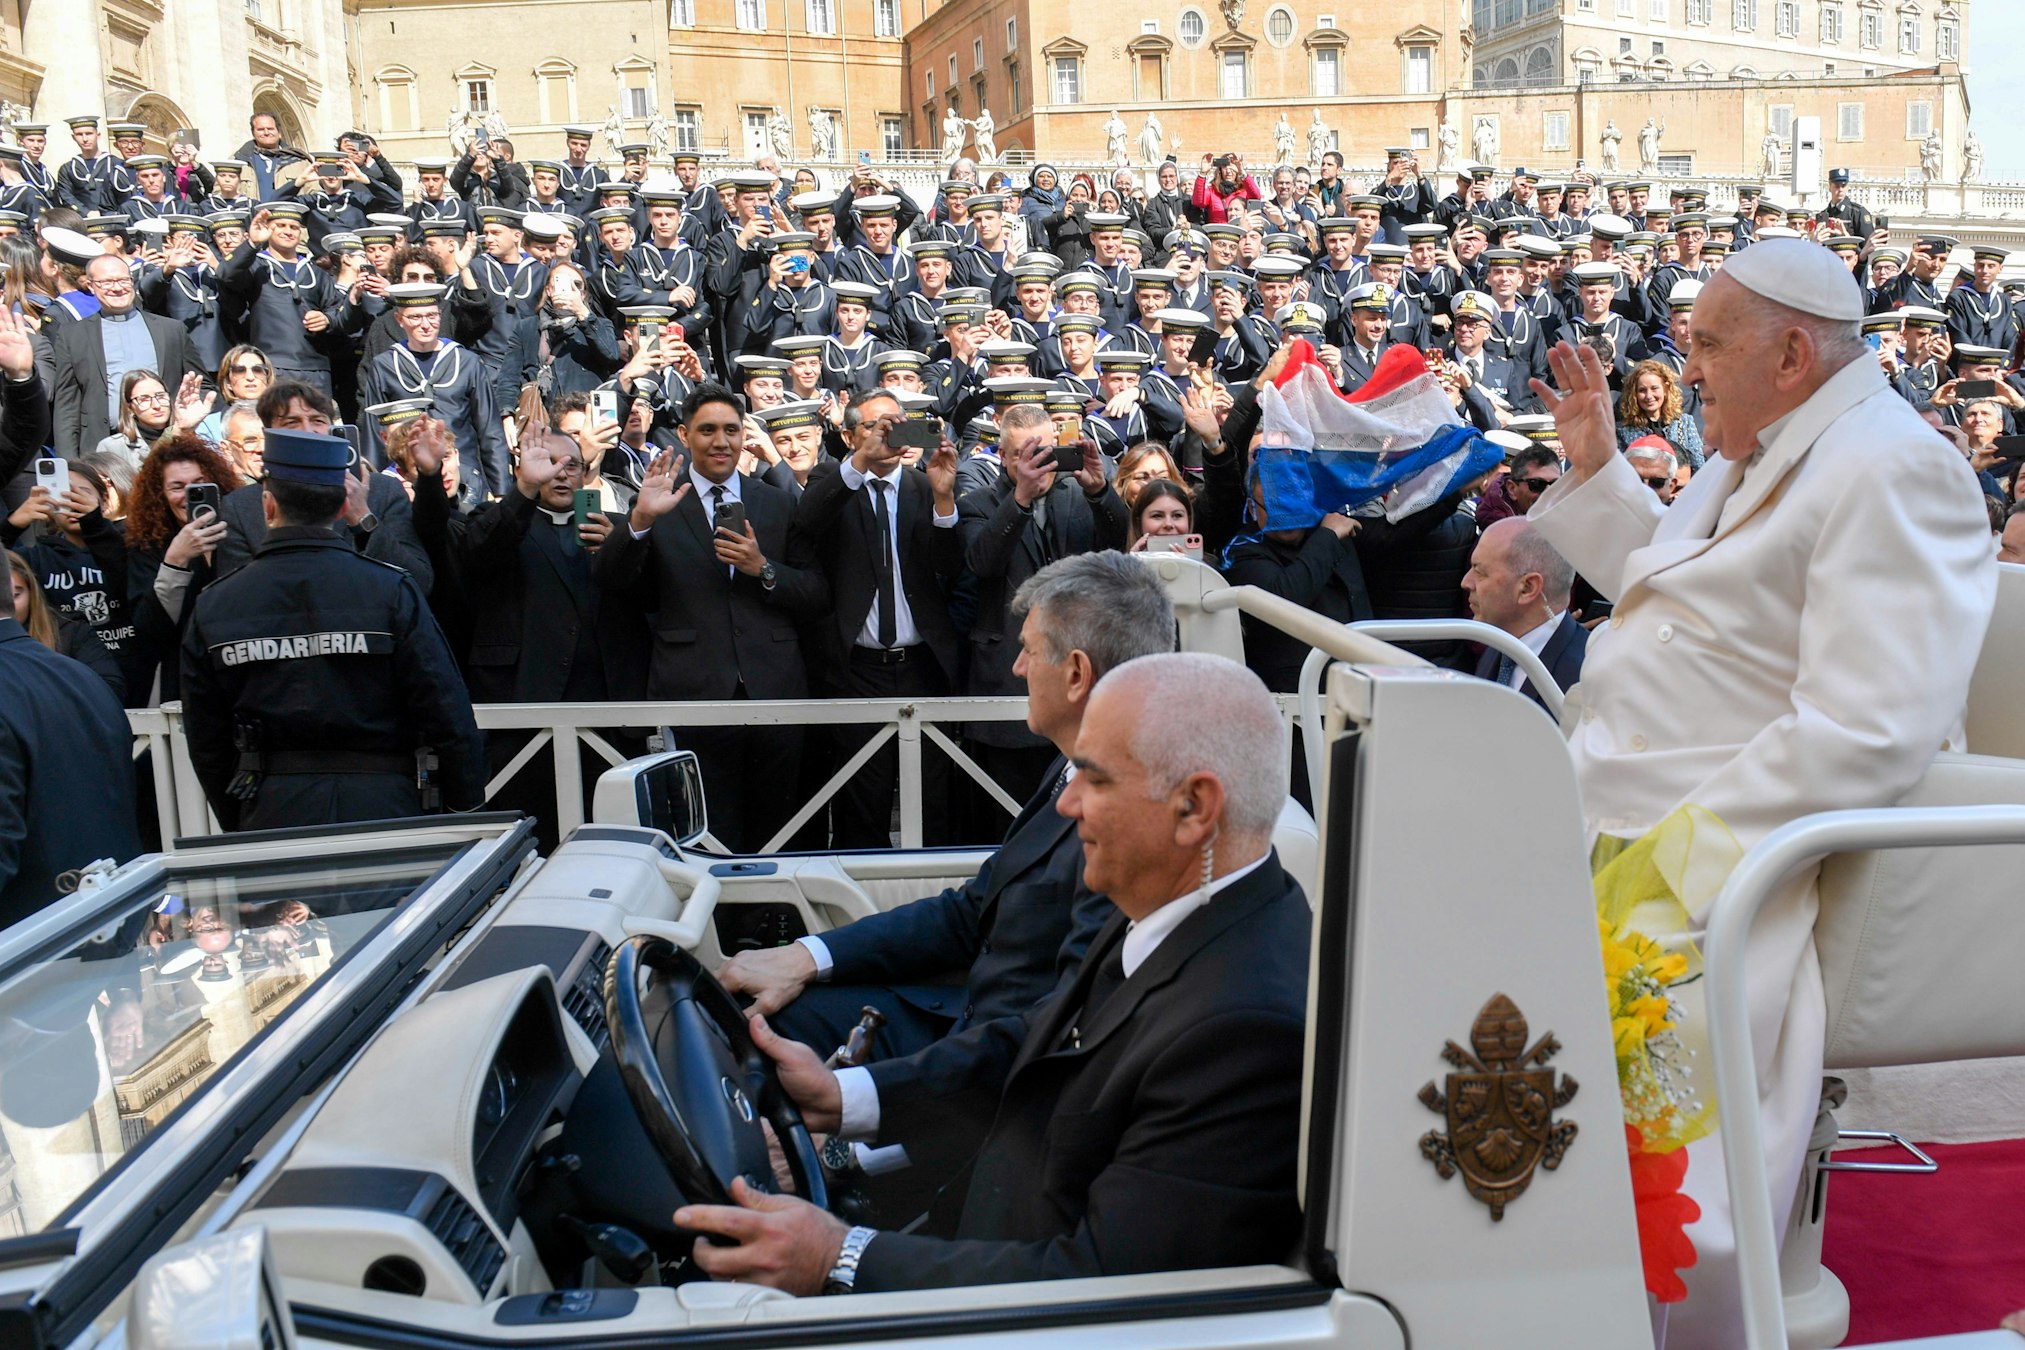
{"x":909,"y":724}
{"x":569,"y":779}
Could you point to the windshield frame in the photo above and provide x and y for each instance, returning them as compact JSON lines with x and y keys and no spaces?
{"x":131,"y":1211}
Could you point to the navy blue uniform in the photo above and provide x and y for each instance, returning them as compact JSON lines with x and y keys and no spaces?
{"x":332,"y":672}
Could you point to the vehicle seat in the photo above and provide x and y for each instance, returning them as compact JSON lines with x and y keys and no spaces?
{"x":1918,"y":953}
{"x":1300,"y":847}
{"x":1996,"y":720}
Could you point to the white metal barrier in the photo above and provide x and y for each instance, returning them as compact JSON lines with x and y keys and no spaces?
{"x":563,"y":730}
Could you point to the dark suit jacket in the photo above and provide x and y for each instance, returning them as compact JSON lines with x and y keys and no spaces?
{"x":1322,"y":573}
{"x":80,"y":393}
{"x":66,"y":781}
{"x":1017,"y":927}
{"x":1162,"y":1137}
{"x":1562,"y":656}
{"x":836,"y":535}
{"x":712,"y":629}
{"x":392,"y":541}
{"x":523,"y":605}
{"x":1002,"y":547}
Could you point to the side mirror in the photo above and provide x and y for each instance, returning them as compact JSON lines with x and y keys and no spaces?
{"x":217,"y":1293}
{"x":660,"y":792}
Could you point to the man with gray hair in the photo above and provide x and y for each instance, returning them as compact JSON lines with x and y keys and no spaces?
{"x":1518,"y":582}
{"x":1027,"y":915}
{"x":1795,"y":634}
{"x":1146,"y":1117}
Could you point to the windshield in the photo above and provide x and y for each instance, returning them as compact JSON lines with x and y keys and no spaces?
{"x":101,"y":1044}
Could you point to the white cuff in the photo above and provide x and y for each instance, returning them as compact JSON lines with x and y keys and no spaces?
{"x":875,"y":1162}
{"x":637,"y":534}
{"x":860,"y":1108}
{"x":848,"y":471}
{"x":819,"y":950}
{"x":947,"y":522}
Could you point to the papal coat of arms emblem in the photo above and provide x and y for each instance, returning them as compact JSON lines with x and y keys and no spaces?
{"x":1500,"y":1109}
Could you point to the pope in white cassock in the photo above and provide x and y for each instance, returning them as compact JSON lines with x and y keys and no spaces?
{"x":1794,"y":635}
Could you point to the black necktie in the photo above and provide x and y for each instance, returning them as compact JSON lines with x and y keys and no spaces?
{"x":888,"y":629}
{"x":1110,"y":975}
{"x":716,"y":516}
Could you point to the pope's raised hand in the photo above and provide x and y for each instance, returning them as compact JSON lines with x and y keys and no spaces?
{"x":1579,"y":402}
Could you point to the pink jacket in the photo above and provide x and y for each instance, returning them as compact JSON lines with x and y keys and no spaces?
{"x":1215,"y":205}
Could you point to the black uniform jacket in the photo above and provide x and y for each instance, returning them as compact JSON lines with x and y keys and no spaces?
{"x":1156,"y":1131}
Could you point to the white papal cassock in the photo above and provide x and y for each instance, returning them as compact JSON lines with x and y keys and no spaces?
{"x":1795,"y":634}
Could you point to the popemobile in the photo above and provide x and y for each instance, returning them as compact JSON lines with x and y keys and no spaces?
{"x":412,"y":1084}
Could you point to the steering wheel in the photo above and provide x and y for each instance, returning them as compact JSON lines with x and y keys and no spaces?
{"x":700,"y":1102}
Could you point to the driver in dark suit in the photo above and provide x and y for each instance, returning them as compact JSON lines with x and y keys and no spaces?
{"x":1144,"y":1117}
{"x":1027,"y":917}
{"x":1518,"y":582}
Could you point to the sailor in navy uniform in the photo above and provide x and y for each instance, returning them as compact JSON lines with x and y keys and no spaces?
{"x":1671,"y":347}
{"x":1885,"y":265}
{"x":314,"y":675}
{"x":512,"y":281}
{"x":1496,"y":390}
{"x":72,"y":250}
{"x":294,"y":311}
{"x":87,"y":183}
{"x":1615,"y":338}
{"x":425,"y":365}
{"x":954,"y":384}
{"x":1336,"y":273}
{"x":790,"y":301}
{"x":545,"y":196}
{"x":1979,"y":313}
{"x":1120,"y":371}
{"x":1363,"y":334}
{"x":13,"y":223}
{"x":1923,"y":372}
{"x":1082,"y":292}
{"x":187,"y":291}
{"x":1077,"y":340}
{"x":912,"y":321}
{"x":849,"y":352}
{"x":1515,"y":332}
{"x":33,"y":139}
{"x":1409,"y":199}
{"x":1919,"y":284}
{"x":578,"y":178}
{"x":1033,"y":292}
{"x":225,"y":193}
{"x":1152,"y":291}
{"x":1424,"y":277}
{"x":1245,"y":338}
{"x":1387,"y":267}
{"x":871,"y":255}
{"x":24,"y":199}
{"x":1166,"y":385}
{"x":669,"y":269}
{"x":1107,"y":242}
{"x":988,"y":260}
{"x":437,"y":202}
{"x":339,"y":197}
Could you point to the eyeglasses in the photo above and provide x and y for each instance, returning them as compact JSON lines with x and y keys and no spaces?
{"x":1536,"y":484}
{"x":156,"y":397}
{"x":1655,"y":483}
{"x":260,"y":369}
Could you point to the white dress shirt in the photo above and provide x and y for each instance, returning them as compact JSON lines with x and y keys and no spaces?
{"x":702,"y":487}
{"x":905,"y":634}
{"x":1536,"y":642}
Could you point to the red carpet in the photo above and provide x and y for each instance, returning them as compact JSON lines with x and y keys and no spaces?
{"x":1926,"y":1256}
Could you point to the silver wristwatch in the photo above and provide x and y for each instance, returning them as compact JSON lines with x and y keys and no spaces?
{"x":843,"y":1277}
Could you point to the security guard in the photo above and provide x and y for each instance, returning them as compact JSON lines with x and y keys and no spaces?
{"x":315,"y":682}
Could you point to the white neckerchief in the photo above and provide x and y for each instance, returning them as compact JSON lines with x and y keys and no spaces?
{"x":443,"y":373}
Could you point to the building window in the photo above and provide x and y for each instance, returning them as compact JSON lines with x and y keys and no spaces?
{"x":1417,"y":138}
{"x":1280,"y":27}
{"x":821,"y":17}
{"x":952,"y":70}
{"x":1676,"y":166}
{"x":681,"y":13}
{"x":931,"y":82}
{"x":1327,"y":81}
{"x":1554,"y":131}
{"x":755,"y":134}
{"x":1849,"y":121}
{"x":1909,"y":34}
{"x":1231,"y":81}
{"x":892,"y":135}
{"x":1624,"y":46}
{"x":1780,"y":121}
{"x":1627,"y":9}
{"x":977,"y":53}
{"x":978,"y":91}
{"x":1191,"y":28}
{"x":1919,"y":120}
{"x":1658,"y":48}
{"x":688,"y":129}
{"x":1586,"y":6}
{"x":1012,"y":87}
{"x":1509,"y":12}
{"x":1831,"y":24}
{"x":1656,"y":11}
{"x":253,"y":10}
{"x":1788,"y":18}
{"x":1067,"y":79}
{"x":478,"y":96}
{"x":555,"y":88}
{"x":751,"y":15}
{"x":1701,"y":12}
{"x":1870,"y":27}
{"x":398,"y":107}
{"x":639,"y":102}
{"x":1948,"y":40}
{"x":885,"y":18}
{"x":1744,"y":15}
{"x":1419,"y":70}
{"x":1012,"y":35}
{"x":1149,"y":76}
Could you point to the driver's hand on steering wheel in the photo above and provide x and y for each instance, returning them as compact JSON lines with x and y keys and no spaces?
{"x":774,"y":977}
{"x":803,"y":1076}
{"x":783,"y":1242}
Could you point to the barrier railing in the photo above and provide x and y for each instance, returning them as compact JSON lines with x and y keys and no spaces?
{"x":564,"y":730}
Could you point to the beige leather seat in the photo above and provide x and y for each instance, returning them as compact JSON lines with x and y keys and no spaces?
{"x":1919,"y":947}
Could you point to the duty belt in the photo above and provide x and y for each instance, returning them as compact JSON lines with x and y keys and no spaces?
{"x":339,"y":761}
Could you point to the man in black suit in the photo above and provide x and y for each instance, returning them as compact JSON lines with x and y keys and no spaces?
{"x":725,"y":609}
{"x":1026,"y":917}
{"x":1517,"y":582}
{"x":377,"y":516}
{"x":1144,"y":1117}
{"x":66,"y":788}
{"x":884,"y":537}
{"x":87,"y":351}
{"x":1011,"y":529}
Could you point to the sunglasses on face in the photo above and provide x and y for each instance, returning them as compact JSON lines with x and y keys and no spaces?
{"x":1537,"y":484}
{"x":248,"y":370}
{"x":1655,"y":483}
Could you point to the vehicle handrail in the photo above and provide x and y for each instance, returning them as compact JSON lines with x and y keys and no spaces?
{"x":1341,"y":641}
{"x":1778,"y":857}
{"x":1415,"y":630}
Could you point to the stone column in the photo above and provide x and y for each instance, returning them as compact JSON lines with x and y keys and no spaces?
{"x":64,"y":39}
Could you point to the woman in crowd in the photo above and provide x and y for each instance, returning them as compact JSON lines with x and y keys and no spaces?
{"x":79,"y":562}
{"x":58,"y":632}
{"x":243,"y":376}
{"x":169,"y":553}
{"x":146,"y":414}
{"x":1651,"y":406}
{"x":1068,"y":226}
{"x":1162,"y":509}
{"x":21,"y":283}
{"x":566,"y":346}
{"x":115,"y":475}
{"x":400,"y":445}
{"x":1142,"y":464}
{"x":1222,"y":188}
{"x":1039,"y":201}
